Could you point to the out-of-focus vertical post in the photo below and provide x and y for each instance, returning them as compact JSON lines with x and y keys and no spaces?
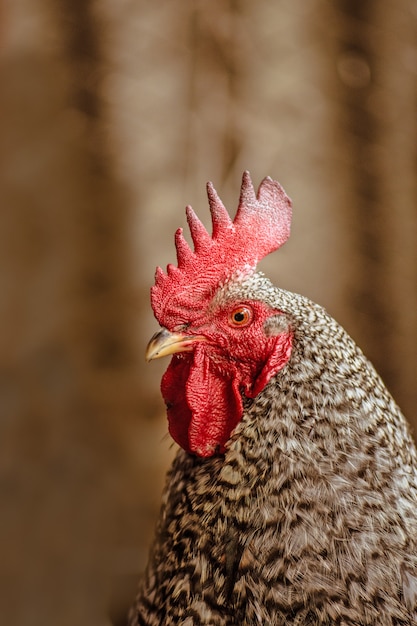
{"x":373,"y":91}
{"x":64,"y":327}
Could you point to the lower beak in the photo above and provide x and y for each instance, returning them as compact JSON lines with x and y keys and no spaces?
{"x":164,"y":343}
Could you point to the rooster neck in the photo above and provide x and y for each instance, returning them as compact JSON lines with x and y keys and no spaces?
{"x":309,"y":439}
{"x":326,"y":414}
{"x":317,"y":487}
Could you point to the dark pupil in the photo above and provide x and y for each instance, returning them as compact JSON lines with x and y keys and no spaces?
{"x":239,"y":317}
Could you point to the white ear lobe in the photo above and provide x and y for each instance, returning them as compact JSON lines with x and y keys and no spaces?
{"x":276,"y":325}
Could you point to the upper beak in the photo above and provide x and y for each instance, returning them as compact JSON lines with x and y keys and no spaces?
{"x":164,"y":343}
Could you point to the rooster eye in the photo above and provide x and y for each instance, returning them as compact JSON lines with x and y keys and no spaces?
{"x":241,"y":316}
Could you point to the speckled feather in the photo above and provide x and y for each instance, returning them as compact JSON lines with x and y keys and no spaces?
{"x":310,"y":517}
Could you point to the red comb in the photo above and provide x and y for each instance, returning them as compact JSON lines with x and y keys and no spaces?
{"x":262,"y":224}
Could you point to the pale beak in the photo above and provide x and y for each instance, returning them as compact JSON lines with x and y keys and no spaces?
{"x":164,"y":343}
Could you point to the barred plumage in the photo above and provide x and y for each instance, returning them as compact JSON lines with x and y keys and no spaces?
{"x":310,"y":514}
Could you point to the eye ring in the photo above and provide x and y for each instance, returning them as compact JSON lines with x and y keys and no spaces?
{"x":241,"y":316}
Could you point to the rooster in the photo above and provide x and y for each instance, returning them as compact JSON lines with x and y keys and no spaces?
{"x":293,"y":498}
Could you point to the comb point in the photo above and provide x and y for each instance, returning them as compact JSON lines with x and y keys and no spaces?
{"x":219,"y":216}
{"x":199,"y":234}
{"x":159,"y":275}
{"x":184,"y":252}
{"x":247,"y":191}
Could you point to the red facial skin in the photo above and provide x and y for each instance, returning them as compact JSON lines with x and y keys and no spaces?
{"x":202,"y":388}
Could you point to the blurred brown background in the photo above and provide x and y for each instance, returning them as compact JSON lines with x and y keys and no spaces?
{"x":113,"y":115}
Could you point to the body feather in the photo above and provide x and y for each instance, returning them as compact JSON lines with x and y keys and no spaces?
{"x":310,"y":515}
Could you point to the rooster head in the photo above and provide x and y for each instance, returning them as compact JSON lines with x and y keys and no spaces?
{"x":226,"y":337}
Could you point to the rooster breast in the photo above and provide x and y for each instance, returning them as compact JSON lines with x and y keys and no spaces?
{"x":309,"y":516}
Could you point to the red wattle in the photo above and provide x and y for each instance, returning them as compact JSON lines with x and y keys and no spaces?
{"x":203,"y":402}
{"x":173,"y":391}
{"x":202,"y":390}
